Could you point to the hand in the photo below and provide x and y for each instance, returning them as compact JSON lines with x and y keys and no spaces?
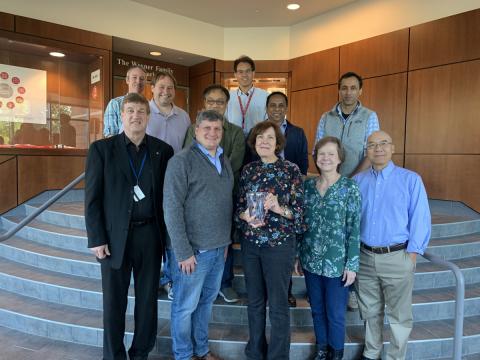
{"x":101,"y":252}
{"x":188,"y":266}
{"x":349,"y":277}
{"x":245,"y":216}
{"x":271,"y":203}
{"x":225,"y":253}
{"x":413,"y":256}
{"x":298,"y":267}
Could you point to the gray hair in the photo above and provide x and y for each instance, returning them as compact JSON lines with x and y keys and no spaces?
{"x":208,"y":115}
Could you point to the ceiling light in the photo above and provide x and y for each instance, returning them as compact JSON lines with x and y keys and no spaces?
{"x":155,"y":53}
{"x":293,"y":6}
{"x":56,"y":54}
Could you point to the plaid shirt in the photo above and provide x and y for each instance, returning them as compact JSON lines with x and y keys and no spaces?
{"x":112,"y":120}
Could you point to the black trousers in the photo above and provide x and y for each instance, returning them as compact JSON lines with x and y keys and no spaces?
{"x":267,"y":275}
{"x":142,"y":256}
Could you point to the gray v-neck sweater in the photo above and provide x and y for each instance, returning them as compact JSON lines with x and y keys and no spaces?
{"x":197,"y":203}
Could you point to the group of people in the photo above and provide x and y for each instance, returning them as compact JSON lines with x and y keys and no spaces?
{"x":157,"y":187}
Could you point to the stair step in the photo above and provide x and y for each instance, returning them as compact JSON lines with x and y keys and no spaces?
{"x":82,"y":292}
{"x":49,"y":234}
{"x":70,"y":214}
{"x":84,"y":326}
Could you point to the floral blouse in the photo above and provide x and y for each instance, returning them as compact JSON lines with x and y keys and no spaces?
{"x":331,"y":243}
{"x":281,"y":178}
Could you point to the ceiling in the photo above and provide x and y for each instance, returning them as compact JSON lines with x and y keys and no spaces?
{"x":246,"y":13}
{"x":135,"y":48}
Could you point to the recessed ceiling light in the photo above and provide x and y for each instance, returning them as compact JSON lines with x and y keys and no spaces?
{"x":155,"y":53}
{"x":293,"y":6}
{"x":57,"y":54}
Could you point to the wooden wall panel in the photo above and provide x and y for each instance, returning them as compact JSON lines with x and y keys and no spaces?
{"x":272,"y":66}
{"x":63,"y":33}
{"x":446,"y":40}
{"x":387,"y":96}
{"x":201,"y":68}
{"x":320,"y":68}
{"x":398,"y":159}
{"x":306,"y":108}
{"x":7,"y":21}
{"x":40,"y":173}
{"x":8,"y":183}
{"x":197,"y":85}
{"x":443,"y":115}
{"x":380,"y":55}
{"x":449,"y":177}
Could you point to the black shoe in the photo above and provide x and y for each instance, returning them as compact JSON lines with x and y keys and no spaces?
{"x":322,"y":353}
{"x":365,"y":358}
{"x":292,"y":302}
{"x":336,"y":355}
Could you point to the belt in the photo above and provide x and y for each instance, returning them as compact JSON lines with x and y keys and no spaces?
{"x":385,"y":249}
{"x":138,"y":223}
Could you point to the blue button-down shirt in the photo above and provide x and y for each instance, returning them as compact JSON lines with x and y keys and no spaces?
{"x":112,"y":118}
{"x":215,"y":160}
{"x":394,"y":208}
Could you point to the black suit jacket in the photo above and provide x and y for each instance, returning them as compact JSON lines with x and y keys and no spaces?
{"x":109,"y":193}
{"x":296,"y":148}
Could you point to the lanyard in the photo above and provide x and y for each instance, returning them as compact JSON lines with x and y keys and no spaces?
{"x":137,"y":176}
{"x":244,"y":110}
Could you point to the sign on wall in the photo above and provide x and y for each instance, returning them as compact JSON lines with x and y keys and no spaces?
{"x":23,"y":94}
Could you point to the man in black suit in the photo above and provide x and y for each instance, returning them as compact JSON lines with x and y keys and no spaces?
{"x":125,"y":227}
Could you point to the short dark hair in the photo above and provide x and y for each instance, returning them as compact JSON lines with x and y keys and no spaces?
{"x":260,"y":128}
{"x":214,"y":87}
{"x":243,"y":59}
{"x":208,"y":115}
{"x":277,"y":93}
{"x":136,"y":99}
{"x":324,"y":141}
{"x":160,"y":75}
{"x":349,"y":75}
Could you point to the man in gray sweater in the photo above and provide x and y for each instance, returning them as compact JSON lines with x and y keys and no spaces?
{"x":198,"y":214}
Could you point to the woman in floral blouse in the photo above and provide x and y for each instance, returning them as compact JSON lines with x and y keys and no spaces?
{"x":268,"y":247}
{"x":329,"y":251}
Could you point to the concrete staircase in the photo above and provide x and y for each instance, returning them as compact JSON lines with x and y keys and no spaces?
{"x":50,"y":286}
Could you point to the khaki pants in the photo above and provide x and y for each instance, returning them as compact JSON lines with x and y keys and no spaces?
{"x":385,"y":282}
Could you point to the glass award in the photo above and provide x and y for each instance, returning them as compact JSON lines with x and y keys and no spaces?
{"x":256,"y":206}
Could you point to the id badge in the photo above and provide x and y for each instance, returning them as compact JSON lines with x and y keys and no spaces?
{"x":138,"y":193}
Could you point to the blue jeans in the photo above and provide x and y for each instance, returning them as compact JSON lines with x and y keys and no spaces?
{"x":166,"y":276}
{"x":328,"y":300}
{"x":192,"y":303}
{"x":227,"y":277}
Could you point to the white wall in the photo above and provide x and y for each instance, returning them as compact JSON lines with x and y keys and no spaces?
{"x":127,"y":19}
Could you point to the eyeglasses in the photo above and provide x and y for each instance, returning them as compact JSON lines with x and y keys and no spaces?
{"x":381,"y":144}
{"x":219,"y":102}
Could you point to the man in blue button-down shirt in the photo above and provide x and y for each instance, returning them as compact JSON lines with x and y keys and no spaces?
{"x":395,"y":227}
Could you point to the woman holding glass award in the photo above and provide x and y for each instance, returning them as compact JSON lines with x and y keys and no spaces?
{"x":269,"y":214}
{"x":330,"y":248}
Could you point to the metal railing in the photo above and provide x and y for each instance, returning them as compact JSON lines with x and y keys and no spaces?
{"x":459,"y":301}
{"x":41,"y":209}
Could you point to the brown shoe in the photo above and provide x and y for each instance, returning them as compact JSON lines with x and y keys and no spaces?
{"x":209,"y":356}
{"x":292,"y":302}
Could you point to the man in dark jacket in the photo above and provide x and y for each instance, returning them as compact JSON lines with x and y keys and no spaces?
{"x":125,"y":227}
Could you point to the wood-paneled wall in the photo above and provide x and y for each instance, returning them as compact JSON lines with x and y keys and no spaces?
{"x":201,"y":76}
{"x":424,"y":84}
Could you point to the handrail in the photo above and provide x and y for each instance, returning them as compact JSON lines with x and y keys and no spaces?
{"x":41,"y":209}
{"x":459,"y":301}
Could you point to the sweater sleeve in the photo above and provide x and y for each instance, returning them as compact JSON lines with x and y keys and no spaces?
{"x":174,"y":196}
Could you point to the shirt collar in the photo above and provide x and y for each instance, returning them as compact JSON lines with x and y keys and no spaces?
{"x":240,"y":92}
{"x":154,"y":107}
{"x":205,"y":151}
{"x":385,"y":172}
{"x":128,"y":141}
{"x":338,"y":109}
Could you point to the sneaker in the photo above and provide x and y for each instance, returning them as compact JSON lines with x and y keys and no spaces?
{"x":169,"y":290}
{"x":352,"y":301}
{"x":228,"y":294}
{"x":292,"y":302}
